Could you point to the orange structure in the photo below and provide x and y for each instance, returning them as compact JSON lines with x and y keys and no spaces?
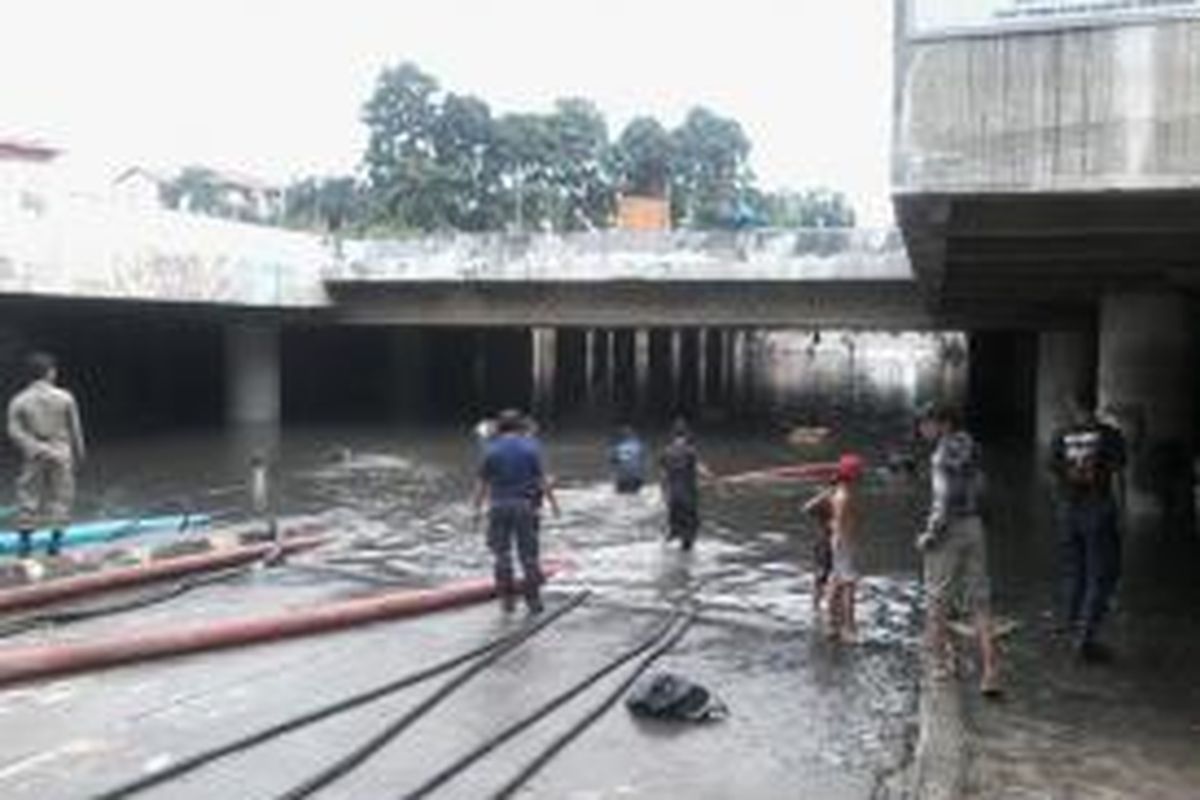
{"x":643,"y":213}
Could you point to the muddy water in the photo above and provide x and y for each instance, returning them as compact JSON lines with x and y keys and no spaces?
{"x":398,"y":500}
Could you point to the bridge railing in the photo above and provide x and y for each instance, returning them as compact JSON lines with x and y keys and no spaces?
{"x":814,"y":255}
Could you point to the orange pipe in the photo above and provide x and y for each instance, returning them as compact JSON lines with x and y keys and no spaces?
{"x":40,"y":661}
{"x":59,"y":589}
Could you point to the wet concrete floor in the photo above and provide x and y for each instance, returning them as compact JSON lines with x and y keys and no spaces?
{"x":808,"y":718}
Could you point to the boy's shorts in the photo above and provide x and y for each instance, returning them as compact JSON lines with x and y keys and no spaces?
{"x":957,"y":565}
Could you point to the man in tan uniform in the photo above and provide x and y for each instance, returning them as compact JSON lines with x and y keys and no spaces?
{"x":43,"y":423}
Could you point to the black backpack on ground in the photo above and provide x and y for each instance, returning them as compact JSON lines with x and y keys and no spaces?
{"x":665,"y":695}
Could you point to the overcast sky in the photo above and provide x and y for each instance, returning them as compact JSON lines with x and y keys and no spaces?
{"x":275,"y":88}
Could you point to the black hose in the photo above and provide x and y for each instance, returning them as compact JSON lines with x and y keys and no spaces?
{"x":555,"y":747}
{"x":372,"y":745}
{"x":25,"y":624}
{"x":461,"y":764}
{"x":194,"y":762}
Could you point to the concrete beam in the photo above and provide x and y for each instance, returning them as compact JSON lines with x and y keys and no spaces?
{"x":860,"y":304}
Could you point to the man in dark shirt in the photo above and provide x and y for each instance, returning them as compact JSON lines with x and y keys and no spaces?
{"x":681,"y":466}
{"x":1086,"y":461}
{"x":511,"y":477}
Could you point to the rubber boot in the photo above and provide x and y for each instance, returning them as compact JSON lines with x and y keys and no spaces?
{"x":25,"y":545}
{"x":55,"y":546}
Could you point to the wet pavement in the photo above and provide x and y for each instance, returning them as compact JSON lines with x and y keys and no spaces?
{"x":809,"y":718}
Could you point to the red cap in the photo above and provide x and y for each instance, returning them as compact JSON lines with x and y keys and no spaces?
{"x":850,"y":467}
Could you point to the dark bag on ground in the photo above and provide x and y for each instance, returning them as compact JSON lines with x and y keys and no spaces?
{"x":665,"y":695}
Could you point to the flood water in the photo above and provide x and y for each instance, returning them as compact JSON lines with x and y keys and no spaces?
{"x":397,"y":499}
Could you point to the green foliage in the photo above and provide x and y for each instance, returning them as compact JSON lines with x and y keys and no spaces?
{"x":642,"y":158}
{"x":328,"y":204}
{"x":814,"y":208}
{"x":709,"y":173}
{"x":437,"y":160}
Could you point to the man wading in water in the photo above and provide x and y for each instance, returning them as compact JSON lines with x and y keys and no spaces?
{"x":511,"y":477}
{"x":681,"y":469}
{"x":954,"y":544}
{"x":43,"y":423}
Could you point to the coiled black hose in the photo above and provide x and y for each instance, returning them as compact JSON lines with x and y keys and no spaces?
{"x":450,"y":771}
{"x":376,"y":742}
{"x":555,"y":747}
{"x":194,"y":762}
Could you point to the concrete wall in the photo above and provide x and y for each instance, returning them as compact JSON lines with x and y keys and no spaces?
{"x":1076,"y":109}
{"x":77,"y":248}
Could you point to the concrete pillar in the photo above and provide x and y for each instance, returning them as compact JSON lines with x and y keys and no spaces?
{"x":676,"y":370}
{"x":1145,"y":383}
{"x":252,"y":373}
{"x":1066,"y":370}
{"x":641,"y":370}
{"x":545,"y":360}
{"x":737,"y":372}
{"x":589,"y":365}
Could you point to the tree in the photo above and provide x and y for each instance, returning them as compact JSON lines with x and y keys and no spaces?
{"x":466,"y":180}
{"x":643,"y":158}
{"x":197,"y":189}
{"x":709,"y":171}
{"x":813,"y":208}
{"x":580,"y":164}
{"x":402,"y":116}
{"x":329,"y":204}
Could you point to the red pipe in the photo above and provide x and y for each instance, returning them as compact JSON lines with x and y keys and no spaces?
{"x":53,"y":591}
{"x":40,"y":661}
{"x":815,"y":470}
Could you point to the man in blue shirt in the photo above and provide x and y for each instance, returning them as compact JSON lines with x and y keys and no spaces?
{"x":628,"y":459}
{"x":511,"y":478}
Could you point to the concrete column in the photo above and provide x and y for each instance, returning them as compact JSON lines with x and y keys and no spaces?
{"x":641,"y":370}
{"x":252,"y":370}
{"x":1066,"y":370}
{"x":544,"y":341}
{"x":1145,"y":382}
{"x":589,"y":365}
{"x":737,"y":372}
{"x":676,"y":371}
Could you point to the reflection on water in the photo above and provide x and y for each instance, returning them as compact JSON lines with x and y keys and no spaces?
{"x":398,"y":501}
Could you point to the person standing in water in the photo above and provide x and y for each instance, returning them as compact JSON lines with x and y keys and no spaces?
{"x":681,"y":470}
{"x":628,"y":460}
{"x":954,"y":543}
{"x":844,"y":533}
{"x":1087,"y":462}
{"x":43,"y":423}
{"x":511,"y":476}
